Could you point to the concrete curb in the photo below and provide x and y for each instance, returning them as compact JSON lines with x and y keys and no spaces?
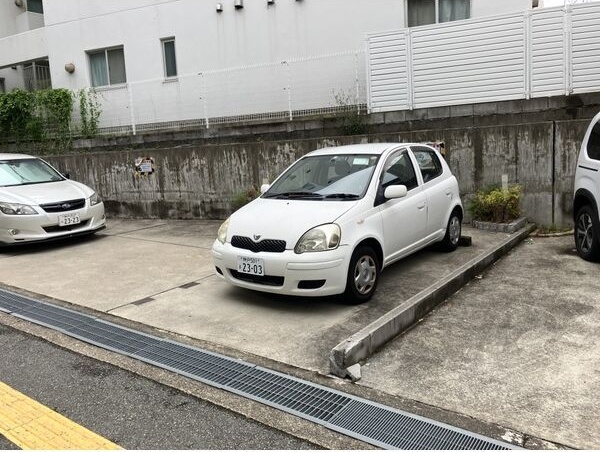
{"x":367,"y":341}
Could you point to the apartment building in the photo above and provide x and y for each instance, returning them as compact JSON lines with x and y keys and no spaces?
{"x":163,"y":45}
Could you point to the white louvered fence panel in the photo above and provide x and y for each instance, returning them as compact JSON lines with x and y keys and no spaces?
{"x":586,"y":47}
{"x":548,"y":47}
{"x":388,"y":74}
{"x":467,"y":62}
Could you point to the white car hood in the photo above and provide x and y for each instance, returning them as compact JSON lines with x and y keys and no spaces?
{"x":36,"y":194}
{"x":284,"y":219}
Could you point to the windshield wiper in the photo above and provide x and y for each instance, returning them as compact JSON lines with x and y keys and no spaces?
{"x":342,"y":196}
{"x":294,"y":194}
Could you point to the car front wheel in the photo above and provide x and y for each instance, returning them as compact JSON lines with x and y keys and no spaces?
{"x":587,"y":240}
{"x":363,"y":275}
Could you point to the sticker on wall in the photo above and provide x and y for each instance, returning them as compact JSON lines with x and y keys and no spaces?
{"x":144,"y":166}
{"x":440,"y":146}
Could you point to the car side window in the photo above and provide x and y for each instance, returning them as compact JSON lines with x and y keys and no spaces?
{"x":593,"y":146}
{"x":399,"y":170}
{"x":429,"y":163}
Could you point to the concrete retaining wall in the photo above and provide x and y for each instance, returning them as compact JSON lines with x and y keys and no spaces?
{"x":199,"y":173}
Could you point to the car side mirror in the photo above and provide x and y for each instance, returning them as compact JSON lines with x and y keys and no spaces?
{"x":395,"y":192}
{"x":67,"y":175}
{"x":264,"y":188}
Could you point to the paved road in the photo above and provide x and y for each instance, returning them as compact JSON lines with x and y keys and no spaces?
{"x":125,"y":408}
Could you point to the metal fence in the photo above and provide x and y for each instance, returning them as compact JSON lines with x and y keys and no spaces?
{"x":543,"y":52}
{"x":286,"y":89}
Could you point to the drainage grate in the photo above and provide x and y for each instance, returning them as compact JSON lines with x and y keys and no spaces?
{"x":359,"y":418}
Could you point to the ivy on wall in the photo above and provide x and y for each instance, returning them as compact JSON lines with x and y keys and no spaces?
{"x":45,"y":117}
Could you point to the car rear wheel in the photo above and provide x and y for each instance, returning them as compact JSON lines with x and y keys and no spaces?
{"x":453,"y":231}
{"x":587,"y":238}
{"x":363,"y":275}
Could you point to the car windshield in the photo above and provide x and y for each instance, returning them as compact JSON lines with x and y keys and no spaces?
{"x":326,"y":177}
{"x":26,"y":172}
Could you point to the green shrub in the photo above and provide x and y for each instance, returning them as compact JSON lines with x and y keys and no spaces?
{"x":242,"y":198}
{"x":497,"y":205}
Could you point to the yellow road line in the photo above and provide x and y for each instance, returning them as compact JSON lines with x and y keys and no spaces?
{"x":30,"y":425}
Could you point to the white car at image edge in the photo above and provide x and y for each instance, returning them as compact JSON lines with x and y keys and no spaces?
{"x":37,"y":203}
{"x":336,"y":217}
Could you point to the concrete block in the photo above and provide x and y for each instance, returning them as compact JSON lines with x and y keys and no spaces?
{"x":393,"y":117}
{"x":376,"y":118}
{"x":510,"y":107}
{"x":488,"y":108}
{"x":438,"y":112}
{"x":539,"y":104}
{"x":508,"y":228}
{"x":416,"y":115}
{"x":461,"y":110}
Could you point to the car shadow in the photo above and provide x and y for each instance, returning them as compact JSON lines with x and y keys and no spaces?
{"x":49,"y":245}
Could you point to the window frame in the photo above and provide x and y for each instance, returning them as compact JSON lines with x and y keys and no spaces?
{"x":105,"y":51}
{"x":164,"y":41}
{"x":437,"y":163}
{"x":399,"y":153}
{"x":437,"y":14}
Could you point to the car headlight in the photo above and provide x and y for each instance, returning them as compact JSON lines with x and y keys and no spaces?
{"x":222,"y":234}
{"x":322,"y":238}
{"x":9,"y":208}
{"x":95,"y":199}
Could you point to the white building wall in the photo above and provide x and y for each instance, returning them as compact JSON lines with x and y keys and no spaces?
{"x":484,"y":8}
{"x":258,"y":37}
{"x":8,"y":16}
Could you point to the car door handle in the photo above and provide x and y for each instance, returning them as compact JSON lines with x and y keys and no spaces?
{"x":449,"y":193}
{"x":421,"y":206}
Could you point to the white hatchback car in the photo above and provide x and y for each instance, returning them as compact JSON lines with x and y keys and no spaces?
{"x":38,"y":203}
{"x":335,"y":218}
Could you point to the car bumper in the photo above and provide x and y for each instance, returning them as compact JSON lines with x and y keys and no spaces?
{"x":24,"y":229}
{"x":287,"y":273}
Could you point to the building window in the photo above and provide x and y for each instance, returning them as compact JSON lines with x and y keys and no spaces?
{"x":35,"y":6}
{"x":107,"y":67}
{"x":169,"y":60}
{"x":425,"y":12}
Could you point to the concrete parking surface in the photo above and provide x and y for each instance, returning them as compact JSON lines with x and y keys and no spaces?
{"x":515,"y":348}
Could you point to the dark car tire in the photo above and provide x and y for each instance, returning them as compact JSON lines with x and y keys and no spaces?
{"x":363,"y":276}
{"x":453,"y":231}
{"x":587,"y":234}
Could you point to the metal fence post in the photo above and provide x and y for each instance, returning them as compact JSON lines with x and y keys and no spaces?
{"x":527,"y":55}
{"x":357,"y":82}
{"x":203,"y":97}
{"x":409,"y":71}
{"x":131,"y":109}
{"x":289,"y":87}
{"x":568,"y":49}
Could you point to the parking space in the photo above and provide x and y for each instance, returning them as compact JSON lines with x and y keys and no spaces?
{"x":517,"y":347}
{"x":160,"y":273}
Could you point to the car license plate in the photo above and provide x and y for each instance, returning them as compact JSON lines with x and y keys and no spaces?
{"x":251,"y":265}
{"x":68,"y":219}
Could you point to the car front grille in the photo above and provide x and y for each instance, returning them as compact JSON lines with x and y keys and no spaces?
{"x":266,"y":280}
{"x":266,"y":245}
{"x":63,"y":206}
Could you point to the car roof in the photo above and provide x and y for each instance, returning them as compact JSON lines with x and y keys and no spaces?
{"x":15,"y":156}
{"x":364,"y":148}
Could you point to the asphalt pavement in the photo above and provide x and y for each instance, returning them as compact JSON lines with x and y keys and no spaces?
{"x":513,"y":355}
